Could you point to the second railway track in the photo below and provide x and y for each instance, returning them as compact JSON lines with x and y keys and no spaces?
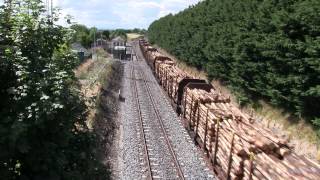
{"x":153,"y":142}
{"x":160,"y":164}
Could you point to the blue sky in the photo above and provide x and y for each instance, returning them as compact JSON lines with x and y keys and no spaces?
{"x":110,"y":14}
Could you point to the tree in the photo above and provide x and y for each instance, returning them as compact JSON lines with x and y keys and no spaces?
{"x":42,"y":130}
{"x":261,"y":49}
{"x":119,"y":32}
{"x":93,"y":33}
{"x":106,"y":34}
{"x":81,"y":35}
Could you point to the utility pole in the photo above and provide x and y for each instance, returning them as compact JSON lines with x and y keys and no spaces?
{"x":51,"y":10}
{"x":94,"y":43}
{"x":51,"y":7}
{"x":101,"y":40}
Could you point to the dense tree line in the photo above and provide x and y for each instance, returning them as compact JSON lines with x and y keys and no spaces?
{"x":266,"y":49}
{"x":82,"y":35}
{"x":123,"y":32}
{"x":43,"y":134}
{"x":85,"y":36}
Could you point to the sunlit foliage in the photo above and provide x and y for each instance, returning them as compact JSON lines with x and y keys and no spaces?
{"x":42,"y":129}
{"x":266,"y":49}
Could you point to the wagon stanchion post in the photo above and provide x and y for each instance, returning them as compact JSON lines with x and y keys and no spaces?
{"x":252,"y":158}
{"x":197,"y":125}
{"x":185,"y":102}
{"x":191,"y":108}
{"x":171,"y":86}
{"x":160,"y":75}
{"x":213,"y":132}
{"x":194,"y":114}
{"x":166,"y":80}
{"x":216,"y":143}
{"x":175,"y":88}
{"x":206,"y":131}
{"x":158,"y":71}
{"x":168,"y":86}
{"x":230,"y":157}
{"x":172,"y":89}
{"x":168,"y":83}
{"x":163,"y":75}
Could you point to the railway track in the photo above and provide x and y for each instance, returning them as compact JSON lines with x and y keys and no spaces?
{"x":154,"y":143}
{"x":153,"y":162}
{"x":141,"y":124}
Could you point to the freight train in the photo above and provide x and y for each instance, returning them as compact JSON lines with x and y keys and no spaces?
{"x":238,"y":146}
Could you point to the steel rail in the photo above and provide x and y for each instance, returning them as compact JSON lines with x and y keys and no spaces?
{"x":176,"y":163}
{"x":137,"y":101}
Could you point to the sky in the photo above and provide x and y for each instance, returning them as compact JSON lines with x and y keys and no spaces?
{"x":112,"y":14}
{"x":127,"y":14}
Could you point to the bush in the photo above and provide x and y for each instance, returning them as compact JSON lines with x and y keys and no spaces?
{"x":42,"y":129}
{"x":262,"y":49}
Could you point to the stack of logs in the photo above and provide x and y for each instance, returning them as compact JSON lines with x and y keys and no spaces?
{"x":152,"y":56}
{"x":239,"y":147}
{"x":170,"y":76}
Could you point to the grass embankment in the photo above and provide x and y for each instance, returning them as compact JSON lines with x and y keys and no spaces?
{"x":100,"y":81}
{"x":89,"y":74}
{"x":302,"y":135}
{"x":132,"y":36}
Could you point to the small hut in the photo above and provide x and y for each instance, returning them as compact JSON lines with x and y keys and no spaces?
{"x":119,"y":48}
{"x":82,"y":52}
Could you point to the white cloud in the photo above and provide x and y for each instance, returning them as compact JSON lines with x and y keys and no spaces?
{"x":135,"y":13}
{"x":173,"y":6}
{"x":140,"y":13}
{"x":120,"y":13}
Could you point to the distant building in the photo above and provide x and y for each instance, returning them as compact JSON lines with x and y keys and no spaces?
{"x":119,"y":48}
{"x":102,"y":43}
{"x":129,"y":51}
{"x":82,"y":52}
{"x":118,"y":41}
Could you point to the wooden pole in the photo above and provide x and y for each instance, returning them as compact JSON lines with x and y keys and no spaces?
{"x":176,"y":86}
{"x":216,"y":144}
{"x":251,"y":165}
{"x":169,"y":86}
{"x":230,"y":157}
{"x":166,"y":80}
{"x":213,"y":131}
{"x":191,"y":108}
{"x":185,"y":102}
{"x":198,"y":118}
{"x":206,"y":131}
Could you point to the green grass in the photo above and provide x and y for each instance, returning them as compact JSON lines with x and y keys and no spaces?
{"x":132,"y":36}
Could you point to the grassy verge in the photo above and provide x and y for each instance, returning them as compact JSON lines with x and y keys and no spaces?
{"x":89,"y":73}
{"x":100,"y":81}
{"x":132,"y":36}
{"x":105,"y":122}
{"x":303,"y":136}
